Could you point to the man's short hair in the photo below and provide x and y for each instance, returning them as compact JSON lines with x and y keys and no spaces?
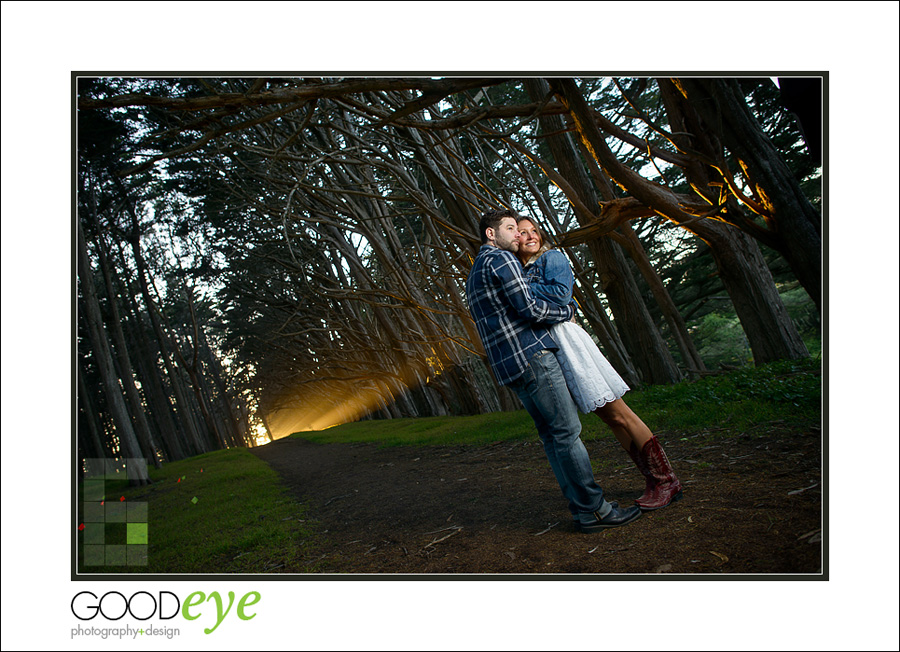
{"x":491,"y":220}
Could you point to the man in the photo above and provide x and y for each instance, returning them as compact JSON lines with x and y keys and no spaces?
{"x":513,"y":326}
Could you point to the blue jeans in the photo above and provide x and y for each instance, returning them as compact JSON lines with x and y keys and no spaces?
{"x":543,"y":392}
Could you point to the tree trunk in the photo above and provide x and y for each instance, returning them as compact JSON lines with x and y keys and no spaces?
{"x":238,"y":435}
{"x":196,"y":444}
{"x":128,"y":444}
{"x":195,"y":372}
{"x":142,"y":427}
{"x":685,"y":343}
{"x":749,"y":283}
{"x":91,"y":441}
{"x":168,"y":429}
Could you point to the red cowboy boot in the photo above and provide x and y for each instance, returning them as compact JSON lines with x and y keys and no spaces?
{"x":666,"y":488}
{"x":641,"y":465}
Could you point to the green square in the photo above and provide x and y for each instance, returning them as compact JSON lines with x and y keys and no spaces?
{"x":115,"y":555}
{"x":93,"y":490}
{"x":115,"y":512}
{"x":137,"y":534}
{"x":116,"y":534}
{"x":94,"y":513}
{"x":136,"y":512}
{"x":94,"y":534}
{"x":136,"y":555}
{"x":94,"y":555}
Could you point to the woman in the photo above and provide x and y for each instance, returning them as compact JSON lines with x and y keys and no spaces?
{"x":592,"y":381}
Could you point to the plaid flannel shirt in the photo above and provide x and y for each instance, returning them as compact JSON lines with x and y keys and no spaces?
{"x":512,"y":323}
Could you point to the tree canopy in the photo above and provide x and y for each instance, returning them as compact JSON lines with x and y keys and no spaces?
{"x":289,"y":253}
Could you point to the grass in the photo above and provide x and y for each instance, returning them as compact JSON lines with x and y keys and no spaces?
{"x":433,"y":431}
{"x":787,"y":393}
{"x":222,"y":512}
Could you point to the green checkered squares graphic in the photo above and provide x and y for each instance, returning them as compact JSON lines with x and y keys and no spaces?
{"x":114,"y":532}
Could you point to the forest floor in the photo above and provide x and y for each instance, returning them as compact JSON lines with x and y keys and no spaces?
{"x":752,"y":505}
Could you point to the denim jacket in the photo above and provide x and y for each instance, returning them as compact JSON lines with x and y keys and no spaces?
{"x":550,"y":278}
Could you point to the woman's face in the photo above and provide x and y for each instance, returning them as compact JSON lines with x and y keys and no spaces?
{"x":529,"y":239}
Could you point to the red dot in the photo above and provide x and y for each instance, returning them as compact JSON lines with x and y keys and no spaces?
{"x":122,"y":499}
{"x":81,"y":527}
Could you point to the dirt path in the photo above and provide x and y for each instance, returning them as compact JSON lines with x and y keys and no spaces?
{"x":752,"y":505}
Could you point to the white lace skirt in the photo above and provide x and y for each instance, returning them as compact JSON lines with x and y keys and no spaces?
{"x":591,"y":379}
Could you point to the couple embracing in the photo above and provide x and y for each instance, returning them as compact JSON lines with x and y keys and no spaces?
{"x":520,"y":296}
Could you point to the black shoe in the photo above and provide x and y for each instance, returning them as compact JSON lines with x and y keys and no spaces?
{"x":615,"y":518}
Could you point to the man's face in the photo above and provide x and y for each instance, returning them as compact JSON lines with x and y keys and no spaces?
{"x":506,"y":236}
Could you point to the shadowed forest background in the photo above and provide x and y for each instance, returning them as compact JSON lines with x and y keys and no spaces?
{"x":262,"y":256}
